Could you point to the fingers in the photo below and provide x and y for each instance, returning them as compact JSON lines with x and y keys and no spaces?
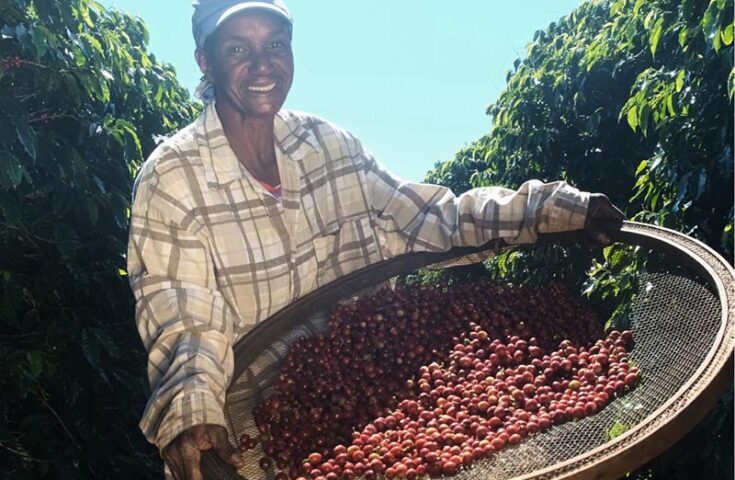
{"x":603,"y":219}
{"x":172,"y":457}
{"x":192,"y":457}
{"x":591,"y":237}
{"x":600,"y":208}
{"x":184,"y":455}
{"x":224,"y":449}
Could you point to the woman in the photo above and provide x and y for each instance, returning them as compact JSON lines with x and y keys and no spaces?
{"x":252,"y":206}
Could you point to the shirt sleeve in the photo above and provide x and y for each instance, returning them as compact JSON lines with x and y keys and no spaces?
{"x":184,"y":321}
{"x":413,"y":216}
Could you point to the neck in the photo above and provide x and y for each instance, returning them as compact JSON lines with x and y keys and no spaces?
{"x":252,"y":140}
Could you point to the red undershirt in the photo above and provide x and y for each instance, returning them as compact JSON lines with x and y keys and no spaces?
{"x":275,"y":191}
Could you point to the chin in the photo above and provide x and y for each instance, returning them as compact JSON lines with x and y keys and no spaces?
{"x":261,"y":112}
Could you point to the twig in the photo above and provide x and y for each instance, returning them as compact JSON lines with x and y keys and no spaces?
{"x":58,"y":418}
{"x":25,"y":455}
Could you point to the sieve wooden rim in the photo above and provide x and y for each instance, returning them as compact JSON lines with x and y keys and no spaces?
{"x":678,"y":415}
{"x":656,"y":433}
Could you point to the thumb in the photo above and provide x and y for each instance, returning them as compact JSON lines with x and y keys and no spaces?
{"x":221,"y":444}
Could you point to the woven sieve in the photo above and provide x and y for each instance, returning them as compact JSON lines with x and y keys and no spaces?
{"x":681,"y":316}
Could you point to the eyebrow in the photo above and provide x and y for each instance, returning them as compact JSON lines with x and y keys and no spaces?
{"x":246,"y":39}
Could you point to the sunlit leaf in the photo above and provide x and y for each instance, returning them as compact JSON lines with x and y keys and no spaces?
{"x":680,"y":80}
{"x":658,"y":29}
{"x":641,"y":167}
{"x":632,"y":117}
{"x":670,"y":104}
{"x":727,"y":35}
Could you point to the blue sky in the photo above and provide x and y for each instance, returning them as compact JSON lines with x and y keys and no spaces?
{"x":410,"y":78}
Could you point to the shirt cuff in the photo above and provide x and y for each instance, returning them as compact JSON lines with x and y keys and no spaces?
{"x":196,"y":408}
{"x":568,"y":211}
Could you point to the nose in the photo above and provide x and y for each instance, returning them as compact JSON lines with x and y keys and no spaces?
{"x":261,"y":63}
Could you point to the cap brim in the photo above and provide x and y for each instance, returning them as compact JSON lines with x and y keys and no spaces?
{"x":252,"y":6}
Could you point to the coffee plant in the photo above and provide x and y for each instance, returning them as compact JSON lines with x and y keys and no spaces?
{"x":82,"y":103}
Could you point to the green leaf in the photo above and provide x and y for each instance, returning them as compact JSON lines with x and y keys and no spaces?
{"x":79,"y":58}
{"x":84,"y":12}
{"x":727,"y":34}
{"x":159,"y":94}
{"x":28,"y":139}
{"x":641,"y":167}
{"x":708,"y":20}
{"x":656,"y":35}
{"x":13,"y":169}
{"x":680,"y":80}
{"x":92,"y":42}
{"x":645,"y":115}
{"x":104,"y":88}
{"x":656,"y":162}
{"x":670,"y":105}
{"x":649,"y":20}
{"x":637,"y":6}
{"x":35,"y":362}
{"x":123,"y":128}
{"x":42,"y":39}
{"x":633,"y":117}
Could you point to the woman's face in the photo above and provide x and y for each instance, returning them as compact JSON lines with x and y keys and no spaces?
{"x":249,"y":61}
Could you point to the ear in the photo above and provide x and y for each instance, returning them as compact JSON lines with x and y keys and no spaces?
{"x":201,"y":58}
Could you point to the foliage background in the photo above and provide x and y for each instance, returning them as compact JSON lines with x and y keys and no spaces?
{"x":81,"y":103}
{"x":629,"y":97}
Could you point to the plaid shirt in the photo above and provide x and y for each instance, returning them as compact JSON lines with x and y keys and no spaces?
{"x":212,"y":253}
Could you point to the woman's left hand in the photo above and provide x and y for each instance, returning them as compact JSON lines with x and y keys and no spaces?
{"x":603,"y":218}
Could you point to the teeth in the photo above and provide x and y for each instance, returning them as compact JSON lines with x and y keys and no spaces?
{"x":264,"y":88}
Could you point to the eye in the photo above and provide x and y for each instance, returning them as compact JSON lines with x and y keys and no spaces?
{"x":277,"y":45}
{"x":235,"y":50}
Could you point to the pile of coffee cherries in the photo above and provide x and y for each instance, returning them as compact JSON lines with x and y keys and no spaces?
{"x":429,"y":379}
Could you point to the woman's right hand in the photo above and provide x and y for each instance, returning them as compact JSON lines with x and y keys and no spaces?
{"x":183,"y":456}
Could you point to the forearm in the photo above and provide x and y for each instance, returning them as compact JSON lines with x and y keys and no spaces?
{"x":413,"y":216}
{"x":192,"y":390}
{"x":184,"y":321}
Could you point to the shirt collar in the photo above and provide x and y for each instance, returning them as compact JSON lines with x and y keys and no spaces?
{"x":220,"y":162}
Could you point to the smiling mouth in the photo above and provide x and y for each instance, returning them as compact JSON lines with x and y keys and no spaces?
{"x":262,"y":88}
